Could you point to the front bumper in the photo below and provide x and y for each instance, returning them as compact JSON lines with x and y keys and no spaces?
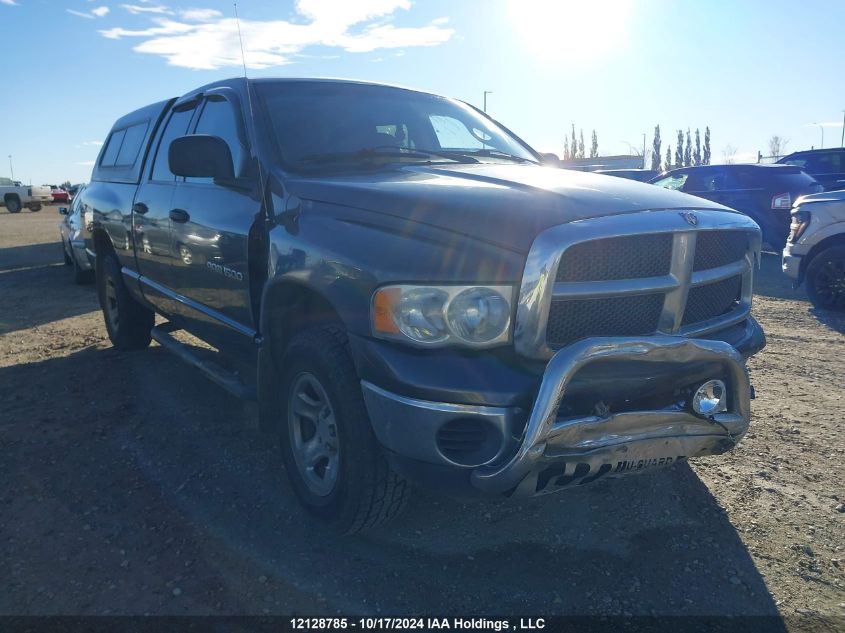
{"x":791,"y":262}
{"x":553,"y":448}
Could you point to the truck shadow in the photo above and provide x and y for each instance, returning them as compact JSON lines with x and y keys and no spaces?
{"x":176,"y":469}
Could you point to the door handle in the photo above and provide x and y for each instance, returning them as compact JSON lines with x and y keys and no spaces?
{"x":179,"y":215}
{"x":140,"y":207}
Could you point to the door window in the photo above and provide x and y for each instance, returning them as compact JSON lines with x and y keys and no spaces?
{"x":177,"y":126}
{"x":674,"y":182}
{"x":218,"y":119}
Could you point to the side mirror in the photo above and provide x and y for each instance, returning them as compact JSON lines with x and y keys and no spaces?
{"x":200,"y":156}
{"x":553,"y":160}
{"x":62,"y":210}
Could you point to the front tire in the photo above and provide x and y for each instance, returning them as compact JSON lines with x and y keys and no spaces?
{"x":825,"y":279}
{"x":127,"y":321}
{"x":13,"y":205}
{"x":332,"y":458}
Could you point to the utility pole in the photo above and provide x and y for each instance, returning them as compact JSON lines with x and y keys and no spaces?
{"x":486,"y":92}
{"x":821,"y":127}
{"x":11,"y":169}
{"x":643,"y":150}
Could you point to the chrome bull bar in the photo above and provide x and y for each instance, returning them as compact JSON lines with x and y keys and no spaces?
{"x":555,"y":453}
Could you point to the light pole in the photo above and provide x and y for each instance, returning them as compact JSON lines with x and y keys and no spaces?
{"x":821,"y":127}
{"x":486,"y":92}
{"x":11,"y":168}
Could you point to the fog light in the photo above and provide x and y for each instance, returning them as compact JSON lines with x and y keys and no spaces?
{"x":710,"y":398}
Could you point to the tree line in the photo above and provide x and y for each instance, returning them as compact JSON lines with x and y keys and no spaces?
{"x":687,"y":153}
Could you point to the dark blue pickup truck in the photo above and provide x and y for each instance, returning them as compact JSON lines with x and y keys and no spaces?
{"x":411,"y":295}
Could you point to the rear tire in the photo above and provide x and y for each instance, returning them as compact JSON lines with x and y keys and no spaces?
{"x":825,"y":279}
{"x":13,"y":205}
{"x":34,"y":207}
{"x":127,"y":321}
{"x":332,"y":458}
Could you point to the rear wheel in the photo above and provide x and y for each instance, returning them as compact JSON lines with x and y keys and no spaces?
{"x":127,"y":321}
{"x":34,"y":207}
{"x":825,"y":278}
{"x":13,"y":205}
{"x":331,"y":455}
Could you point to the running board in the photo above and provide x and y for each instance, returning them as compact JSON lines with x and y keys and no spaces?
{"x":217,"y":374}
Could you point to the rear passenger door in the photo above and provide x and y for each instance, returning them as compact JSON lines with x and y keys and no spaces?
{"x":209,"y":233}
{"x":151,"y":214}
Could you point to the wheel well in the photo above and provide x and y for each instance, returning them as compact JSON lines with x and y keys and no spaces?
{"x":290,"y":308}
{"x":102,"y":243}
{"x":833,"y":240}
{"x":11,"y":196}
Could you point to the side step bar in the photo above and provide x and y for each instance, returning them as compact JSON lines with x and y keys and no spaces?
{"x":217,"y":374}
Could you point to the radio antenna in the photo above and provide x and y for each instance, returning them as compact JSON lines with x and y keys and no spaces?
{"x":261,"y":183}
{"x":240,"y":37}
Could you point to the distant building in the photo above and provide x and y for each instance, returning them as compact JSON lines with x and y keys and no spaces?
{"x":603,"y":162}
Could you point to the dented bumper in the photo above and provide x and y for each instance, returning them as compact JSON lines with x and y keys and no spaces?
{"x":556,"y":452}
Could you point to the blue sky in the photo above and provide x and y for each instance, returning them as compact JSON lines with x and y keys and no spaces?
{"x":747,"y":69}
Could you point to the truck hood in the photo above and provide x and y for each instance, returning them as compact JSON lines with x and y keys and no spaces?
{"x":825,"y":196}
{"x":507,"y":205}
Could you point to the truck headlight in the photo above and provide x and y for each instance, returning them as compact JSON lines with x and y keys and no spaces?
{"x":798,"y":225}
{"x":435,"y":316}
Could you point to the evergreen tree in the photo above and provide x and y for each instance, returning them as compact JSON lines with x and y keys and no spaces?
{"x":566,"y":155}
{"x":573,"y":146}
{"x":655,"y":154}
{"x":696,"y":155}
{"x":668,"y":164}
{"x":705,"y":159}
{"x":679,"y":149}
{"x":688,"y":151}
{"x":581,"y":153}
{"x":594,"y":146}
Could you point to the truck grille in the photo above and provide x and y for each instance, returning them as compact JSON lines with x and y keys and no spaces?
{"x":693,"y":280}
{"x":573,"y":320}
{"x":713,"y":300}
{"x":617,"y":258}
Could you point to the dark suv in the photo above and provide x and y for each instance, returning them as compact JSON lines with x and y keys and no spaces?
{"x":763,"y":192}
{"x":825,"y":165}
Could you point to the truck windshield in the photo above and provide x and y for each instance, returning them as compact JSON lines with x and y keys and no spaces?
{"x":331,"y":123}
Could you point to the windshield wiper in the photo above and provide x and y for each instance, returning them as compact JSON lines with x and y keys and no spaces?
{"x":385,"y":151}
{"x":491,"y":153}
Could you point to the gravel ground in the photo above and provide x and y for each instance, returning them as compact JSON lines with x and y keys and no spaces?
{"x":132,"y":485}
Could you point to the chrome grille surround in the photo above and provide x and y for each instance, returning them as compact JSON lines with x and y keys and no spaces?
{"x":539,"y":286}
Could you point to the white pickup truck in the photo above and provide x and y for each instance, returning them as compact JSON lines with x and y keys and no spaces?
{"x":15,"y":196}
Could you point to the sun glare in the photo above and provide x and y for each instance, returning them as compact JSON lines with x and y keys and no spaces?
{"x":560,"y":31}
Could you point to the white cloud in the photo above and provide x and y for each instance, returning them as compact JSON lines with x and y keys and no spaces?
{"x":204,"y":39}
{"x":11,"y":3}
{"x":93,"y":143}
{"x":199,"y":15}
{"x":134,"y":9}
{"x":86,"y":163}
{"x":97,"y":12}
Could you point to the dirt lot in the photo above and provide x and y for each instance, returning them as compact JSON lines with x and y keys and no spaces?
{"x":132,"y":485}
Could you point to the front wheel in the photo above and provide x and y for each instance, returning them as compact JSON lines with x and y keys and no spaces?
{"x":34,"y":207}
{"x":331,"y":455}
{"x":826,"y":279}
{"x":127,"y":321}
{"x":13,"y":205}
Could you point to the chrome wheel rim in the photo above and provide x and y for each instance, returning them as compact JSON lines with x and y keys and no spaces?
{"x":111,"y":304}
{"x":312,"y":430}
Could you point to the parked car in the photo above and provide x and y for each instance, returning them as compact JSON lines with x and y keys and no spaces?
{"x":413,"y":296}
{"x":815,"y":251}
{"x":59,"y":194}
{"x":71,"y":231}
{"x":15,"y":196}
{"x":825,"y":165}
{"x":765,"y":193}
{"x":640,"y":175}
